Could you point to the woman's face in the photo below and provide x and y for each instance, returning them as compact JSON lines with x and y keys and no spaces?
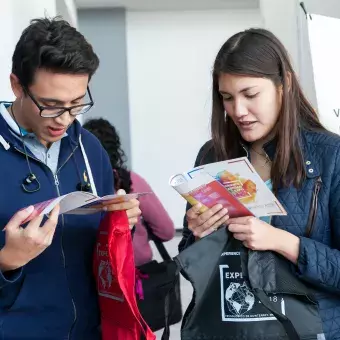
{"x":252,"y":103}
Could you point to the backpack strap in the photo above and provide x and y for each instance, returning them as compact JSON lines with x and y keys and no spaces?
{"x":157,"y":241}
{"x":167,"y":309}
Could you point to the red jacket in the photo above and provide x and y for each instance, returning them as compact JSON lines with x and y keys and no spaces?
{"x":114,"y":268}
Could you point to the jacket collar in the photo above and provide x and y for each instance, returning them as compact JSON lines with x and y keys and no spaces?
{"x":312,"y":166}
{"x":73,"y":133}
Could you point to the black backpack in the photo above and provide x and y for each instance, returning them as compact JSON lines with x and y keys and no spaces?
{"x":160,"y":278}
{"x":243,"y":294}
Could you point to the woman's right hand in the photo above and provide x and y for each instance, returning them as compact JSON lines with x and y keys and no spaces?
{"x":203,"y":224}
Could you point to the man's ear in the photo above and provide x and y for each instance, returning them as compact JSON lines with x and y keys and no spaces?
{"x":16,"y":86}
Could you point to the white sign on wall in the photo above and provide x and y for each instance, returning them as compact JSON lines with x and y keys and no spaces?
{"x":324,"y":35}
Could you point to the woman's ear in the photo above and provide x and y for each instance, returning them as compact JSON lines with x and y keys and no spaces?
{"x":289,"y":81}
{"x":289,"y":84}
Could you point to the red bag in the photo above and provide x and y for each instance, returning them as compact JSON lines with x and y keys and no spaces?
{"x":114,"y":269}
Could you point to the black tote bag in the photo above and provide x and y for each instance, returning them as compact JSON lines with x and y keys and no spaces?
{"x":161,"y":287}
{"x":242,"y":294}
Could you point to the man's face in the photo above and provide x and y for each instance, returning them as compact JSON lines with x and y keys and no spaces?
{"x":49,"y":90}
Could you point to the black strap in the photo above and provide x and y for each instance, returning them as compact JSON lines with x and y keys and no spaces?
{"x":133,"y":230}
{"x":143,"y":331}
{"x":158,"y":242}
{"x":286,"y":323}
{"x":166,"y":332}
{"x":167,"y":311}
{"x":166,"y":257}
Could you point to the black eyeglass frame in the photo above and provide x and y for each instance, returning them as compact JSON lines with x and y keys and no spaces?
{"x":61,"y":108}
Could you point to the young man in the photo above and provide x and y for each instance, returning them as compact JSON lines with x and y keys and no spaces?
{"x":47,"y":288}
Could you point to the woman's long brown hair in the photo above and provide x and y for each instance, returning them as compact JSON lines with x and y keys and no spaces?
{"x":258,"y":53}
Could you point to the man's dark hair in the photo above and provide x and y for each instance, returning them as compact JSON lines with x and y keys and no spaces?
{"x":52,"y":44}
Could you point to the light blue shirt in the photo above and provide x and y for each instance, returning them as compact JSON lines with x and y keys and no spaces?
{"x":269,"y":185}
{"x":48,"y":156}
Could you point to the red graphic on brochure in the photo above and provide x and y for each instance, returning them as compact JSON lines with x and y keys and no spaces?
{"x":214,"y":193}
{"x":38,"y":209}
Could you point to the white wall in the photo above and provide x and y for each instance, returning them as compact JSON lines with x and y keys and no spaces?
{"x":286,"y":19}
{"x":6,"y":25}
{"x":280,"y":17}
{"x":15,"y":16}
{"x":170,"y":57}
{"x":330,"y":8}
{"x":324,"y":33}
{"x":24,"y":11}
{"x":67,"y":9}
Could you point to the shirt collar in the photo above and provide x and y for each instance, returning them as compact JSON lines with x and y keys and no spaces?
{"x":10,"y":121}
{"x":19,"y":131}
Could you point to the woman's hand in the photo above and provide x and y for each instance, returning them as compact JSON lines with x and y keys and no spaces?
{"x":203,"y":224}
{"x":254,"y":233}
{"x":258,"y":235}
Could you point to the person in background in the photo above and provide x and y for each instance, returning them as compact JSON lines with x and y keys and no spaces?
{"x":152,"y":209}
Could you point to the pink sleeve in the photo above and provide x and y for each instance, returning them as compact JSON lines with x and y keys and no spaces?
{"x":152,"y":210}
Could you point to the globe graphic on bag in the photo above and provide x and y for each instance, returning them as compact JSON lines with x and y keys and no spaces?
{"x":239,"y":298}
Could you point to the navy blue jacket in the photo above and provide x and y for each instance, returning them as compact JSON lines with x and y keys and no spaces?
{"x":313,"y":209}
{"x":54,"y":296}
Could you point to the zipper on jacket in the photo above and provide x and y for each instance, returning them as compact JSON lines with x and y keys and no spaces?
{"x":57,"y":183}
{"x":313,"y":207}
{"x":67,"y":159}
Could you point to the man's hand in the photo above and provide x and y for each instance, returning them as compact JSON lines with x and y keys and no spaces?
{"x":24,"y":244}
{"x":132,"y":208}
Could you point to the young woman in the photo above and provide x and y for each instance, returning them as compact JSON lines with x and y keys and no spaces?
{"x":152,"y":209}
{"x":260,"y":111}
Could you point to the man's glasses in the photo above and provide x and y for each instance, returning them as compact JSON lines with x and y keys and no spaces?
{"x":56,"y":111}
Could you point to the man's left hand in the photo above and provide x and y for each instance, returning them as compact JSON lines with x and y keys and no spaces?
{"x":131,"y":207}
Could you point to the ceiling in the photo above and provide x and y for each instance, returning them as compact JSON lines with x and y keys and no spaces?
{"x":147,"y":5}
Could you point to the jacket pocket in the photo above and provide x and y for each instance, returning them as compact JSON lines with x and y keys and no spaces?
{"x":313,"y":207}
{"x":10,"y":293}
{"x":21,"y":291}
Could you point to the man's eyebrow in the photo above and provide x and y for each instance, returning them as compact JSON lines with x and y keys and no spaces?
{"x":57,"y":101}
